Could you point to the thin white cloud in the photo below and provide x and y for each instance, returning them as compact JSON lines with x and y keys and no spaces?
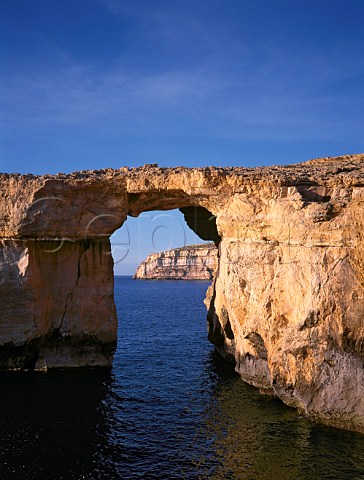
{"x":231,"y":91}
{"x":126,"y":102}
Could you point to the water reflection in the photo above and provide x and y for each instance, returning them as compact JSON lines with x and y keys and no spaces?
{"x":89,"y":424}
{"x":51,"y":425}
{"x":257,"y":437}
{"x":170,"y":408}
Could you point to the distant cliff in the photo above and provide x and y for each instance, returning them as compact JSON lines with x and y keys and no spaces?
{"x":193,"y":262}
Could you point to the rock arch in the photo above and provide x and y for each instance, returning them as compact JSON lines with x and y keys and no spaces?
{"x":288,"y":299}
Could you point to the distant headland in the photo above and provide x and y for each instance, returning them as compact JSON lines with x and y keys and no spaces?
{"x":191,"y":262}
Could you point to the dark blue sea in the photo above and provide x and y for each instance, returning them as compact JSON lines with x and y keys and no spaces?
{"x":170,"y":408}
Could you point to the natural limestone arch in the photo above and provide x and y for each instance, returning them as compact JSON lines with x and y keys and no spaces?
{"x":288,"y":298}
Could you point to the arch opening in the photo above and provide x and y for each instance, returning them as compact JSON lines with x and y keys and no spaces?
{"x":155,"y":231}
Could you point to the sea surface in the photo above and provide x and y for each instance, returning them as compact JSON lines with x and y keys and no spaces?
{"x":169,"y":408}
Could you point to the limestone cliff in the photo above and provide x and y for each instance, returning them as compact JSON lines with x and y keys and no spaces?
{"x":192,"y":262}
{"x":287,"y":301}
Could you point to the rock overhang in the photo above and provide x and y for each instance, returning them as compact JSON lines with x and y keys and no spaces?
{"x":287,"y":301}
{"x":96,"y":202}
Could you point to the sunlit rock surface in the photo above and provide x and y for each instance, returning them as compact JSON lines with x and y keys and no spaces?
{"x":192,"y":262}
{"x":287,"y":303}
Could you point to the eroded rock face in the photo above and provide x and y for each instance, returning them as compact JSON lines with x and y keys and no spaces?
{"x":57,"y":306}
{"x":287,"y":303}
{"x":192,"y":262}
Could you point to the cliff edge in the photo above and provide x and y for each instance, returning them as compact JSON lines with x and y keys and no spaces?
{"x":192,"y":262}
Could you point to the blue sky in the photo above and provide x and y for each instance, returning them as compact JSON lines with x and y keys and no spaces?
{"x":150,"y":232}
{"x":89,"y":84}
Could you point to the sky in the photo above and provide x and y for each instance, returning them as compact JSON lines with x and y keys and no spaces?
{"x":88,"y":84}
{"x":151,"y":232}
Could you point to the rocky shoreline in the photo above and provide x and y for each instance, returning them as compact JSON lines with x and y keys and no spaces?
{"x":287,"y":300}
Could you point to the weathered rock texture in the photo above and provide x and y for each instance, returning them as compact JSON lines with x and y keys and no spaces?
{"x":287,"y":303}
{"x":192,"y":262}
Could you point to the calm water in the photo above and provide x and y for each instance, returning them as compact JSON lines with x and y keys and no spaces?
{"x":168,"y":409}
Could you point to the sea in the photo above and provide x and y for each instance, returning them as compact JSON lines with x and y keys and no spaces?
{"x":169,"y":408}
